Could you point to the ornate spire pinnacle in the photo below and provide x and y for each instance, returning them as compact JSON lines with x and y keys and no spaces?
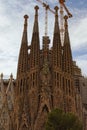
{"x":56,"y":29}
{"x":35,"y":29}
{"x":56,"y":10}
{"x":24,"y":37}
{"x":66,"y":37}
{"x":66,"y":23}
{"x":36,"y":12}
{"x":25,"y":23}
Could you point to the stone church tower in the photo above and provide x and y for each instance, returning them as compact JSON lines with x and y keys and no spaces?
{"x":44,"y":77}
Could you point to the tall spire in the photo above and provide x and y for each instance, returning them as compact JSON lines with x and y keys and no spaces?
{"x":23,"y":56}
{"x":23,"y":61}
{"x":56,"y":42}
{"x":67,"y":55}
{"x":35,"y":46}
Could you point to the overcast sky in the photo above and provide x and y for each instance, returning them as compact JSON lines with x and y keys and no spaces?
{"x":11,"y":28}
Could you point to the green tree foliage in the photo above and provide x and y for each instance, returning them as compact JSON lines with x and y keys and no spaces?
{"x":58,"y":120}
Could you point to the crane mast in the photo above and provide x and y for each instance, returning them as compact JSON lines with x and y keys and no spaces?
{"x":62,"y":8}
{"x":61,"y":23}
{"x":46,"y":6}
{"x":46,"y":19}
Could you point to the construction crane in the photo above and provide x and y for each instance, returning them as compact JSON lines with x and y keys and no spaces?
{"x":66,"y":9}
{"x":61,"y":23}
{"x":62,"y":8}
{"x":46,"y":6}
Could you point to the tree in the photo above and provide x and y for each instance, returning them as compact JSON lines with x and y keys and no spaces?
{"x":58,"y":120}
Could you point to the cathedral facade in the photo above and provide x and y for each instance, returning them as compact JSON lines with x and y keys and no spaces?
{"x":44,"y":78}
